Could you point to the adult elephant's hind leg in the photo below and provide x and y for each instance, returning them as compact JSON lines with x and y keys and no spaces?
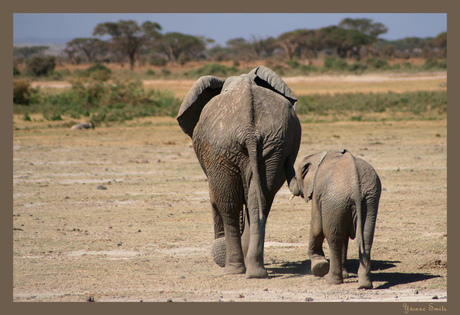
{"x":227,"y":201}
{"x":319,"y":263}
{"x":245,"y":230}
{"x":255,"y":252}
{"x":219,"y":248}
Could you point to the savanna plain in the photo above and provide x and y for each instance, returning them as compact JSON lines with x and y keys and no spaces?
{"x":122,"y":212}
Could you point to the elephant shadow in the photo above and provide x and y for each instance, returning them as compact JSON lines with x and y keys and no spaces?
{"x":291,"y":269}
{"x":389,"y":279}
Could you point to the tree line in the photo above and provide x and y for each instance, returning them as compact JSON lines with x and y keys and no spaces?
{"x":128,"y":42}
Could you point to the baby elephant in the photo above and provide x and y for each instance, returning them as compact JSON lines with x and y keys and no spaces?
{"x":345,"y":191}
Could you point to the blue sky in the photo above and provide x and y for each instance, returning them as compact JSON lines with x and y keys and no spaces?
{"x":221,"y":26}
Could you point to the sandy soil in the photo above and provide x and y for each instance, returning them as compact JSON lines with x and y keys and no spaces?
{"x":121,"y":213}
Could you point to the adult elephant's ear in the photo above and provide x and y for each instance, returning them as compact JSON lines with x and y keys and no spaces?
{"x":202,"y":91}
{"x":267,"y":78}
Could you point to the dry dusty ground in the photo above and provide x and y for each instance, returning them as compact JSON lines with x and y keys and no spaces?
{"x":147,"y":236}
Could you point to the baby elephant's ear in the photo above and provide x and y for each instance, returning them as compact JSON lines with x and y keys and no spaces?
{"x":267,"y":78}
{"x":307,"y":171}
{"x":202,"y":91}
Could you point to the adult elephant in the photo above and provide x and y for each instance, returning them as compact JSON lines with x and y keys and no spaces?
{"x":246,"y":136}
{"x":345,"y":193}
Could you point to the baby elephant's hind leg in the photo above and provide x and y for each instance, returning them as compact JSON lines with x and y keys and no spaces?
{"x":319,"y":263}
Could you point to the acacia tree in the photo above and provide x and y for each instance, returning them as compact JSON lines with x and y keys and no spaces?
{"x":128,"y":37}
{"x":181,"y":47}
{"x":264,"y":48}
{"x":24,"y":53}
{"x":371,"y":29}
{"x":365,"y":26}
{"x":345,"y":41}
{"x":241,"y":49}
{"x":388,"y":51}
{"x":298,"y":42}
{"x":219,"y":53}
{"x":440,"y":42}
{"x":90,"y":47}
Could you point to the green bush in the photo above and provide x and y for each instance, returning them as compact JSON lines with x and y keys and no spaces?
{"x":118,"y":101}
{"x":294,"y":64}
{"x":333,"y":63}
{"x":357,"y":66}
{"x":165,"y":72}
{"x":21,"y":92}
{"x":308,"y":68}
{"x":377,"y":63}
{"x":16,"y":71}
{"x":54,"y":117}
{"x":40,"y":65}
{"x":443,"y":64}
{"x":26,"y":117}
{"x":99,"y":72}
{"x":407,"y":65}
{"x":158,"y":61}
{"x":431,"y":63}
{"x":56,"y":76}
{"x":213,"y":69}
{"x":98,"y":67}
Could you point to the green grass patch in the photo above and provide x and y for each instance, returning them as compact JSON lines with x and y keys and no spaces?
{"x":414,"y":103}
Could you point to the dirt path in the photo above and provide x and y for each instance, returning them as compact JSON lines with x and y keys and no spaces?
{"x":122,"y":214}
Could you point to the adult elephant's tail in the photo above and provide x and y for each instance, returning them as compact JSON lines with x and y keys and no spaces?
{"x":250,"y":141}
{"x":251,"y":145}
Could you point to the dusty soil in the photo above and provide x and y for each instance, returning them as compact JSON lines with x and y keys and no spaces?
{"x":121,"y":213}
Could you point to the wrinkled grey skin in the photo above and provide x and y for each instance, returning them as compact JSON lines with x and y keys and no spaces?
{"x":345,"y":194}
{"x":246,"y":136}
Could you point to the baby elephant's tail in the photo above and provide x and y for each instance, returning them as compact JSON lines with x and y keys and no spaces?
{"x":358,"y":201}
